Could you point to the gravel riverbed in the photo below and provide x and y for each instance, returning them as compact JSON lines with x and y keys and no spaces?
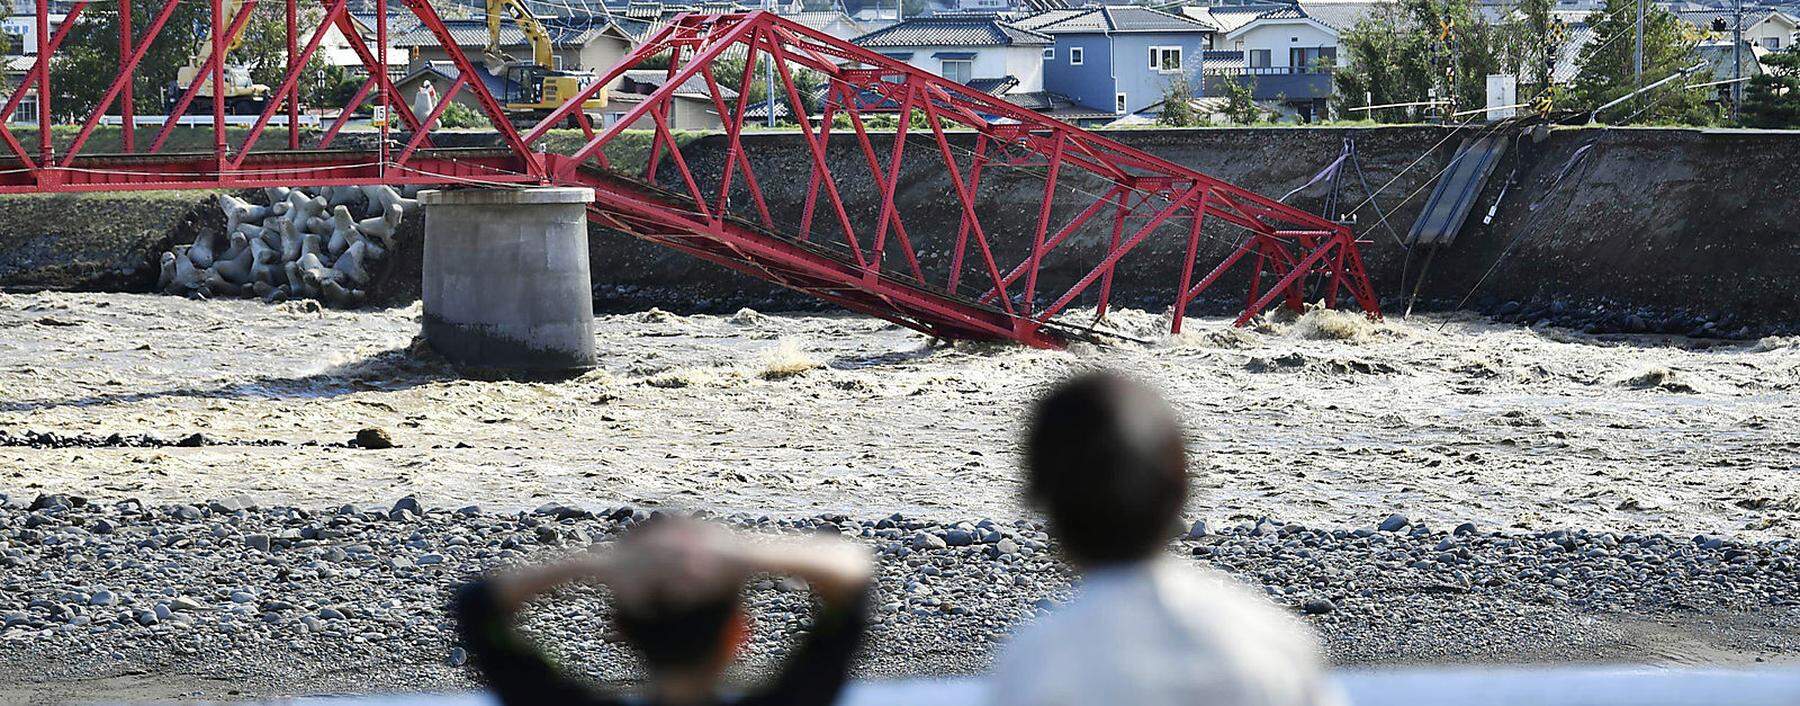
{"x":226,"y":599}
{"x":215,"y":486}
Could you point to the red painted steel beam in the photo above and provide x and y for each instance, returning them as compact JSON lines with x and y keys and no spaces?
{"x":688,"y":205}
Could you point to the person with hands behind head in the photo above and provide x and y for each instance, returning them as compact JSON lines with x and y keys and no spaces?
{"x":677,"y":586}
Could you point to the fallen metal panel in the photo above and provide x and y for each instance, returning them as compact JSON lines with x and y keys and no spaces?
{"x":1455,"y":194}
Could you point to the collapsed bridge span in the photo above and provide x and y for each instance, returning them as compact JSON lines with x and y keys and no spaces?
{"x":955,"y":266}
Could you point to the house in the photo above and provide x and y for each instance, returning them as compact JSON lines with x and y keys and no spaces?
{"x":694,"y":108}
{"x":1286,"y":53}
{"x":941,"y":7}
{"x":334,"y":48}
{"x":20,"y":24}
{"x":873,"y":14}
{"x":832,"y":22}
{"x":1121,"y":57}
{"x":577,"y":43}
{"x":1765,"y":28}
{"x":966,"y":48}
{"x":441,"y":74}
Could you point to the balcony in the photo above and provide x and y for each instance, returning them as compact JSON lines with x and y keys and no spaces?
{"x":1299,"y":83}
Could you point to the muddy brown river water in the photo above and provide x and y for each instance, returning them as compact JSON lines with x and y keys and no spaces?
{"x":1327,"y":419}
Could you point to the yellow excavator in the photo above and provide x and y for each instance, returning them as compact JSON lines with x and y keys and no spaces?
{"x":536,"y":87}
{"x":242,"y":96}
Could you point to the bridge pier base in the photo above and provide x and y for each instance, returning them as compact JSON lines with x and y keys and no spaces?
{"x":506,"y":283}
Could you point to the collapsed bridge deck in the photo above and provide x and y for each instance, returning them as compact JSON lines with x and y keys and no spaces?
{"x":986,"y":272}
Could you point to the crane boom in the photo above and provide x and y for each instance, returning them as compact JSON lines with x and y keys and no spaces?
{"x":232,"y":8}
{"x":535,"y":34}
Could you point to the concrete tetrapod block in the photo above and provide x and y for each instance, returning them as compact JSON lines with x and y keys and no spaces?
{"x":506,"y":283}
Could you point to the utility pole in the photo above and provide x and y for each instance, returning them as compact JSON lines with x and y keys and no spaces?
{"x":1637,"y":55}
{"x":769,"y":78}
{"x":1737,"y":59}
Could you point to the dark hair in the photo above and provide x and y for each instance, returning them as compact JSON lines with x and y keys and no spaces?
{"x":1104,"y":459}
{"x":669,"y":636}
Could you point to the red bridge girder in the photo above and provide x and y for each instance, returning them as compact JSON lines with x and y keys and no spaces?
{"x":948,"y":261}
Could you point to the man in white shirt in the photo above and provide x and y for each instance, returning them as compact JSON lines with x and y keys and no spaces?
{"x":1104,"y":460}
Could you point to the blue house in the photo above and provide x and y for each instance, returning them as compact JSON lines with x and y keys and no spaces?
{"x":1122,"y":58}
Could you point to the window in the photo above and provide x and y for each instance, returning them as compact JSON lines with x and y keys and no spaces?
{"x":27,"y":110}
{"x":958,"y":70}
{"x":1075,"y":56}
{"x":1119,"y":103}
{"x":1311,"y":59}
{"x":1050,"y":54}
{"x":1165,"y":60}
{"x":1260,"y":58}
{"x":1772,"y":43}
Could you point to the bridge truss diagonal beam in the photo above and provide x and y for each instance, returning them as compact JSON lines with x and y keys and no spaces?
{"x":925,"y":202}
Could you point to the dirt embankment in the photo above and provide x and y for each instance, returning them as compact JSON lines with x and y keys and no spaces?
{"x":1677,"y":231}
{"x":91,"y":241}
{"x":1631,"y":230}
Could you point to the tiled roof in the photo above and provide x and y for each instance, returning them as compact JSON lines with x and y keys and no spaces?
{"x":1703,"y":18}
{"x":653,"y":79}
{"x":953,"y":31}
{"x":638,"y":29}
{"x":474,"y":33}
{"x":1221,"y":60}
{"x":1341,"y":15}
{"x":496,"y":85}
{"x":822,"y":19}
{"x":1229,"y":17}
{"x":1046,"y":18}
{"x":1120,"y":18}
{"x":1054,"y":105}
{"x":993,"y":86}
{"x":1286,"y":13}
{"x":1568,"y":58}
{"x":397,"y":22}
{"x":1718,"y":53}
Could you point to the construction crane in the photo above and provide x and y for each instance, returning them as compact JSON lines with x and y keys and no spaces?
{"x":533,"y":88}
{"x":242,"y":96}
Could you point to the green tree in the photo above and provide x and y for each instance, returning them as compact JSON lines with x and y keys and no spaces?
{"x":729,"y":72}
{"x":457,"y":115}
{"x":89,"y":59}
{"x":1772,"y":99}
{"x":1606,"y":67}
{"x":1413,"y":50}
{"x":1531,"y":39}
{"x":1178,"y":105}
{"x":263,"y":49}
{"x":1240,"y":102}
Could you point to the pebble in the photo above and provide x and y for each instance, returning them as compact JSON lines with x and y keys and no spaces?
{"x":1394,"y":523}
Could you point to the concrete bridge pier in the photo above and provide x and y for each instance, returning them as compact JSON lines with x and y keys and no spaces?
{"x":506,"y":284}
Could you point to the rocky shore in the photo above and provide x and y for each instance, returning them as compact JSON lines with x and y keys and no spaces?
{"x":227,"y":598}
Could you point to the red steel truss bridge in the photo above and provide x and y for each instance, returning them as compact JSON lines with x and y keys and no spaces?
{"x":901,"y":215}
